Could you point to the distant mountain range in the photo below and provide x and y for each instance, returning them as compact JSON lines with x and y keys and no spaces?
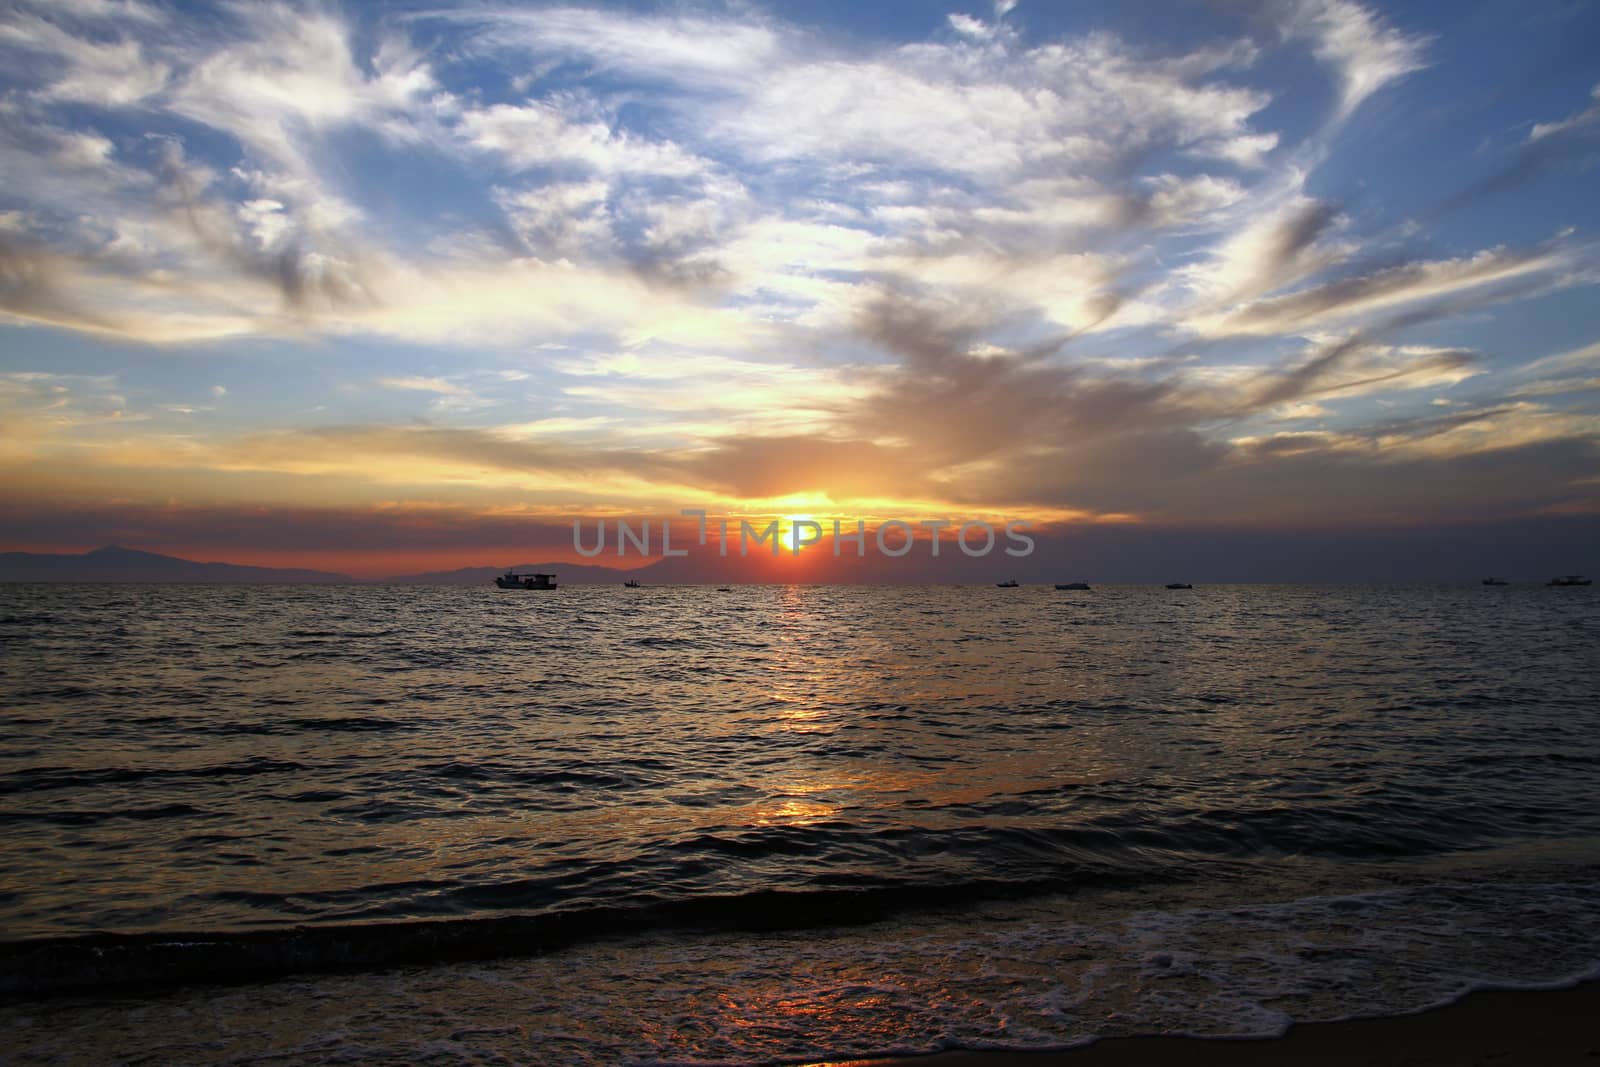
{"x":116,"y":564}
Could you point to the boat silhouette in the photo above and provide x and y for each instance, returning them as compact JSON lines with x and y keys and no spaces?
{"x":512,"y":580}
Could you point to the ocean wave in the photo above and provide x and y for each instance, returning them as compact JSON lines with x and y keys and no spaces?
{"x":104,"y":960}
{"x":44,"y":779}
{"x":1050,"y":974}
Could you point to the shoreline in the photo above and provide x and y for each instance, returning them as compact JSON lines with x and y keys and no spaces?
{"x":1492,"y":1028}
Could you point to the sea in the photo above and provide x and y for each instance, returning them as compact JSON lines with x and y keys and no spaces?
{"x":779,"y":824}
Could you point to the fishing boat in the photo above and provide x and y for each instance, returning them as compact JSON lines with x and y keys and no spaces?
{"x":1495,"y":581}
{"x":1179,"y":585}
{"x":1569,"y":579}
{"x":1010,"y":583}
{"x":631,"y":583}
{"x":1072,"y":585}
{"x":512,"y":580}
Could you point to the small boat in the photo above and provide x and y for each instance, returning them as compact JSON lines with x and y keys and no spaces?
{"x":513,"y":580}
{"x":631,"y":583}
{"x":1569,"y":579}
{"x":1179,"y":585}
{"x":1495,"y":581}
{"x":1072,"y":585}
{"x":1010,"y":583}
{"x":724,"y":588}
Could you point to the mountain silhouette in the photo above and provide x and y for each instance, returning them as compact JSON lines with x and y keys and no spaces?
{"x":113,"y":563}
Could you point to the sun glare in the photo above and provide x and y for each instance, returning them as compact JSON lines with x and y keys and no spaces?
{"x":796,"y":537}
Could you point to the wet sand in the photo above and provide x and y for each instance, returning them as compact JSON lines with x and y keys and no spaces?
{"x":1496,"y":1029}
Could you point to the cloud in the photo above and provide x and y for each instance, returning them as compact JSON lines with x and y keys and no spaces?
{"x":1354,"y":367}
{"x":289,"y":74}
{"x":1588,"y":117}
{"x":75,"y":68}
{"x":1274,"y":251}
{"x":697,"y":51}
{"x":424,"y":385}
{"x":541,"y":134}
{"x":95,"y":10}
{"x":562,"y":219}
{"x":584,"y":195}
{"x":1525,"y":461}
{"x":39,"y":285}
{"x":961,"y":410}
{"x":990,"y":111}
{"x":1575,"y":360}
{"x":312,"y":267}
{"x":968,"y":26}
{"x":1365,"y":53}
{"x":699,"y":399}
{"x":79,"y":414}
{"x":1448,"y":285}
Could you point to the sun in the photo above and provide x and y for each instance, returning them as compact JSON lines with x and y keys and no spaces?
{"x":794,"y":537}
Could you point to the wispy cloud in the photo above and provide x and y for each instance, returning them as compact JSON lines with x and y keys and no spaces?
{"x":424,"y":385}
{"x":1353,"y":39}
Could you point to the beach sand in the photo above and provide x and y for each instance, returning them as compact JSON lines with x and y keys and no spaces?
{"x":1496,"y":1029}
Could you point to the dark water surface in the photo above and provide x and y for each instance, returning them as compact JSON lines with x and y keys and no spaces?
{"x":785,"y":822}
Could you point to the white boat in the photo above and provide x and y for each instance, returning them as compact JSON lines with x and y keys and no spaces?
{"x":513,"y":580}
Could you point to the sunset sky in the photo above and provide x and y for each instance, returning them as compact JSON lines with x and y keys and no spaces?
{"x":413,"y":285}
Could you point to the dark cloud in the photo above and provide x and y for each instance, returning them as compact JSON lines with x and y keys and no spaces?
{"x":1299,"y":380}
{"x":33,"y":285}
{"x":1287,"y":243}
{"x":1171,"y":479}
{"x":1328,"y":371}
{"x":309,"y":271}
{"x":1299,"y":231}
{"x":1038,"y":428}
{"x":956,"y":407}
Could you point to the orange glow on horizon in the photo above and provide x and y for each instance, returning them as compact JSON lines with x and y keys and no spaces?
{"x":459,"y":540}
